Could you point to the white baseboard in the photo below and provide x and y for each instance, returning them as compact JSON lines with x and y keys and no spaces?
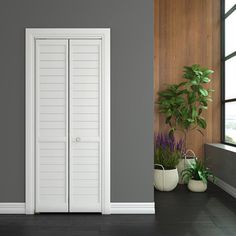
{"x":226,"y":187}
{"x":12,"y":208}
{"x":116,"y":208}
{"x":132,"y":208}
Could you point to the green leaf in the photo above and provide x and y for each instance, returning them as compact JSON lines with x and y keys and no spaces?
{"x":203,"y":107}
{"x":206,"y":80}
{"x":194,"y":112}
{"x":166,"y":94}
{"x":194,"y":82}
{"x":182,"y":84}
{"x":191,"y":98}
{"x":208,"y":72}
{"x":203,"y":92}
{"x":202,"y":123}
{"x":210,"y":90}
{"x":190,"y":120}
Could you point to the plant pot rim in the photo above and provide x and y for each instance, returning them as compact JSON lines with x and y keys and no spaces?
{"x":196,"y":180}
{"x":165,"y":169}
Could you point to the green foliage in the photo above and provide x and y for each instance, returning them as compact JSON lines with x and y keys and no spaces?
{"x":197,"y":171}
{"x":167,"y":158}
{"x":183,"y":103}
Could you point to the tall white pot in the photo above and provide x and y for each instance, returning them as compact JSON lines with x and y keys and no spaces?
{"x":186,"y":162}
{"x":165,"y":180}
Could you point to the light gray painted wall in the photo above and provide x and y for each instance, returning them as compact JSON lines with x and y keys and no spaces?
{"x":221,"y":159}
{"x":131,"y":23}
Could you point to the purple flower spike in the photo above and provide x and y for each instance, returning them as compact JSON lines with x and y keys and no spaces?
{"x":165,"y":141}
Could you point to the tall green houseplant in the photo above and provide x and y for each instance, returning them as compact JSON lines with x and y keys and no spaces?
{"x":183,"y":104}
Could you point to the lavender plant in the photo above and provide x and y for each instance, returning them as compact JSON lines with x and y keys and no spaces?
{"x":167,"y":151}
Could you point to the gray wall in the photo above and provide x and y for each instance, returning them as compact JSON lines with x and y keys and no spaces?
{"x":131,"y":23}
{"x":221,"y":159}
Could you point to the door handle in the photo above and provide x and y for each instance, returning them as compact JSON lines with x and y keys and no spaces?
{"x":77,"y":139}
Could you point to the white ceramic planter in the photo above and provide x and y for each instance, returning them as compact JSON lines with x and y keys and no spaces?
{"x":165,"y":180}
{"x":197,"y":186}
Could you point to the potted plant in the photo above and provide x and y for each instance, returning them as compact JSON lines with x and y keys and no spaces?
{"x":167,"y":153}
{"x":183,"y":105}
{"x":197,"y":176}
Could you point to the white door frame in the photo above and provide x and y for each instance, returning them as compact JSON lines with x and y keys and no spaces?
{"x":30,"y":37}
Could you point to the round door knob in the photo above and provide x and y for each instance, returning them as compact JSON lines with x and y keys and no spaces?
{"x":77,"y":139}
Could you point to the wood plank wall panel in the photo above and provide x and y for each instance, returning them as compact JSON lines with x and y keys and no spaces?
{"x":188,"y":32}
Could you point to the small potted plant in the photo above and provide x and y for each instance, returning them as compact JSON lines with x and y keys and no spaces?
{"x":167,"y":153}
{"x":183,"y":104}
{"x":197,"y":176}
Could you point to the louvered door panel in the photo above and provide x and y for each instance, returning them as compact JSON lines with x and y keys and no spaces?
{"x":85,"y":102}
{"x":51,"y":125}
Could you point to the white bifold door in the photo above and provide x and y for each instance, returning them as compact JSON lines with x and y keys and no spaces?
{"x":68,"y":125}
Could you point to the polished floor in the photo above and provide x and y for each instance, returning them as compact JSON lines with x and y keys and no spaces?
{"x":178,"y":213}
